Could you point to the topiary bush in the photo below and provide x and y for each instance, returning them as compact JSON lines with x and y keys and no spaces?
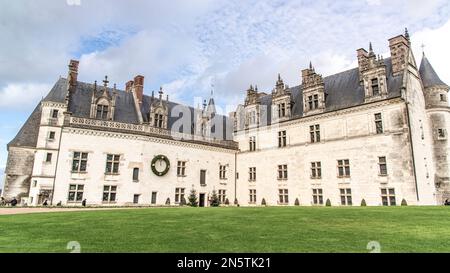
{"x":297,"y":202}
{"x":328,"y":203}
{"x":168,"y":201}
{"x":263,"y":202}
{"x":404,"y":203}
{"x":227,"y":202}
{"x":363,"y":203}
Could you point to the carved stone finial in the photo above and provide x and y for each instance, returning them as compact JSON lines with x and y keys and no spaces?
{"x":105,"y":81}
{"x":406,"y":33}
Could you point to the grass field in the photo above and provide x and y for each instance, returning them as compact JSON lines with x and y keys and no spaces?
{"x":272,"y":229}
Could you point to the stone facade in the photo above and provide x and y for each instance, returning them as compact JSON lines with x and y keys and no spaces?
{"x":375,"y":135}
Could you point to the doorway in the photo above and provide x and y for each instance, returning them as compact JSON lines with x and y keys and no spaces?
{"x":201,"y":200}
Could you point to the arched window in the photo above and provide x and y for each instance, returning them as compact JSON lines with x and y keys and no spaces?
{"x":158,"y":120}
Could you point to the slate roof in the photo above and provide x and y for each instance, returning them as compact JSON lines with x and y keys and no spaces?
{"x":342,"y":90}
{"x":429,"y":76}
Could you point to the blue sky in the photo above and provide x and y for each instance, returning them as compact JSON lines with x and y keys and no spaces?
{"x":185,"y":46}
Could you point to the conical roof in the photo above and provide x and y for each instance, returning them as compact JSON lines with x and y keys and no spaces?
{"x":429,"y":77}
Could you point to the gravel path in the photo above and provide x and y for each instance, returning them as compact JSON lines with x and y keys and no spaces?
{"x":11,"y":211}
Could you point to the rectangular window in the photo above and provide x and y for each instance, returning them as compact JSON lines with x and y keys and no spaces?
{"x":252,"y":174}
{"x":316,"y":101}
{"x":252,"y":117}
{"x":378,"y":123}
{"x":154,"y":194}
{"x":109,"y":193}
{"x":316,"y":170}
{"x":112,"y":164}
{"x":346,"y":197}
{"x":382,"y":165}
{"x":136,"y":199}
{"x":314,"y":131}
{"x":344,"y":168}
{"x":441,"y":133}
{"x":317,"y":196}
{"x":282,"y":139}
{"x":222,"y":196}
{"x":48,"y":158}
{"x":102,"y":111}
{"x":282,"y":172}
{"x":283,"y":196}
{"x":158,"y":121}
{"x":75,"y":193}
{"x":54,"y":113}
{"x":252,"y":143}
{"x":443,"y":97}
{"x":310,"y":102}
{"x":79,"y":162}
{"x":282,"y":110}
{"x":375,"y":87}
{"x":252,"y":196}
{"x":51,"y":135}
{"x":202,"y":177}
{"x":135,"y":174}
{"x":223,"y":172}
{"x":388,"y":196}
{"x":181,"y":168}
{"x":179,"y":195}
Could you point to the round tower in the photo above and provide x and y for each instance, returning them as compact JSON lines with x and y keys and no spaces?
{"x":438,"y":111}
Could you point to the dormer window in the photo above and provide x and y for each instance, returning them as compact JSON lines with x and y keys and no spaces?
{"x":102,"y":111}
{"x":375,"y":87}
{"x":54,"y":113}
{"x":310,"y":102}
{"x":159,"y":121}
{"x":282,"y":110}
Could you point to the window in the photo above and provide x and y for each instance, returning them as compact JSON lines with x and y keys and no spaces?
{"x":181,"y":168}
{"x":252,"y":117}
{"x":154,"y":194}
{"x":382,"y":164}
{"x":441,"y":133}
{"x":54,"y":113}
{"x":252,"y":143}
{"x":317,"y":197}
{"x":388,"y":197}
{"x":378,"y":123}
{"x":202,"y":177}
{"x":223,"y":172}
{"x":34,"y":183}
{"x":316,"y":101}
{"x":375,"y":87}
{"x":79,"y":162}
{"x":252,"y":197}
{"x":136,"y":174}
{"x":136,"y":199}
{"x":158,"y":121}
{"x":314,"y":131}
{"x":179,"y":195}
{"x":252,"y":174}
{"x":443,"y":97}
{"x":222,"y":196}
{"x":283,"y":196}
{"x":109,"y":193}
{"x":282,"y":139}
{"x":112,"y":164}
{"x":310,"y":102}
{"x":316,"y":170}
{"x":48,"y":158}
{"x":346,"y":197}
{"x":281,"y":110}
{"x":102,"y":111}
{"x":344,"y":168}
{"x":51,"y":135}
{"x":282,"y":172}
{"x":75,"y":193}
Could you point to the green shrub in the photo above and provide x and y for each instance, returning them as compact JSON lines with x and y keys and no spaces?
{"x":263,"y":202}
{"x":328,"y":203}
{"x":363,"y":203}
{"x":404,"y":203}
{"x":297,"y":202}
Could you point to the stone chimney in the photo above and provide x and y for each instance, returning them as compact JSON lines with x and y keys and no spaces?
{"x":363,"y":61}
{"x":129,"y":86}
{"x":73,"y":73}
{"x":399,"y":47}
{"x":139,"y":87}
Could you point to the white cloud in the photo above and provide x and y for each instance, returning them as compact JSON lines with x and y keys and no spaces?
{"x":22,"y":95}
{"x":437,"y":44}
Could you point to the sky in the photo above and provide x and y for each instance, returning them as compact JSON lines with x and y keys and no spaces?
{"x":191,"y":47}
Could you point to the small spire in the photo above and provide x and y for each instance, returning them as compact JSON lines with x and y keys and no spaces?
{"x":423,"y":50}
{"x":95,"y":85}
{"x":105,"y":81}
{"x":256,"y":87}
{"x":370,"y":47}
{"x":160,"y":92}
{"x":310,"y":65}
{"x":204,"y":104}
{"x":406,"y":33}
{"x":279,"y":77}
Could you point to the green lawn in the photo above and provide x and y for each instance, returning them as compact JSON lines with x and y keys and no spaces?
{"x":272,"y":229}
